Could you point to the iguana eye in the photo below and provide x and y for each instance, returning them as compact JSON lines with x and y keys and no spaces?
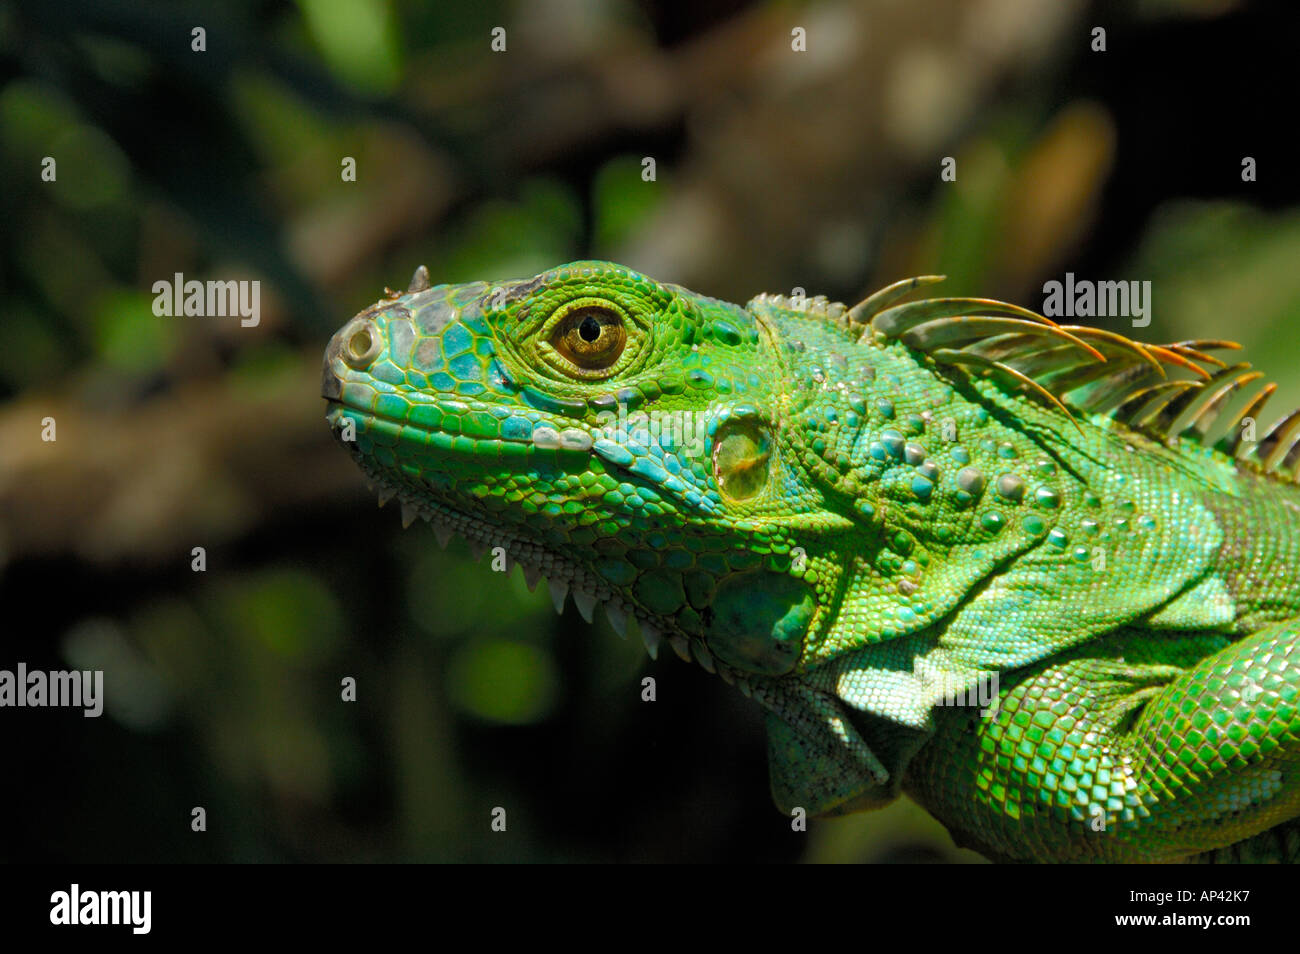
{"x":591,"y":338}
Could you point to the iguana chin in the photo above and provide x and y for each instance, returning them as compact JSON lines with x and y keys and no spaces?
{"x":863,"y":517}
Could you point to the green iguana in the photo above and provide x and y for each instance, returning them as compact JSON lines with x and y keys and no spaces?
{"x":952,"y":548}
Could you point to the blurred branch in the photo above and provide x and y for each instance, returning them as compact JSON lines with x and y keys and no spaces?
{"x":195,"y":467}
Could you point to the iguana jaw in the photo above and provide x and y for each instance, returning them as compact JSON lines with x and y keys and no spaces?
{"x":564,"y":577}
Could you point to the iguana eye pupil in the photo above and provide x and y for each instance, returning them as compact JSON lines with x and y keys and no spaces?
{"x":591,"y":340}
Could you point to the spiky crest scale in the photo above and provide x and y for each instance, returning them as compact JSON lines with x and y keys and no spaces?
{"x":1074,"y":367}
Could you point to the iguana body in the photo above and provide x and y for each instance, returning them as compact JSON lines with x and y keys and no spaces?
{"x":884,"y":511}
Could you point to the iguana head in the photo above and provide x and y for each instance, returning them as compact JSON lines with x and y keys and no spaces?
{"x":620,"y":436}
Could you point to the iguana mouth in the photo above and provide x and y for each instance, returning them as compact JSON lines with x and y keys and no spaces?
{"x":543,"y":437}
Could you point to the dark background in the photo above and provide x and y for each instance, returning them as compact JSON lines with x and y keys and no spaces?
{"x":775,"y":169}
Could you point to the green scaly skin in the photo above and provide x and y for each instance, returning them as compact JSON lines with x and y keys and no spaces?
{"x":859,"y":538}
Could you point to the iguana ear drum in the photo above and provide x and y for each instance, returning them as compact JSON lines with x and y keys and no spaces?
{"x":742,"y":459}
{"x":759,"y":621}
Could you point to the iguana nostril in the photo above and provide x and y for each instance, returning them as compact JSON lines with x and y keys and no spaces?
{"x":362,"y":345}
